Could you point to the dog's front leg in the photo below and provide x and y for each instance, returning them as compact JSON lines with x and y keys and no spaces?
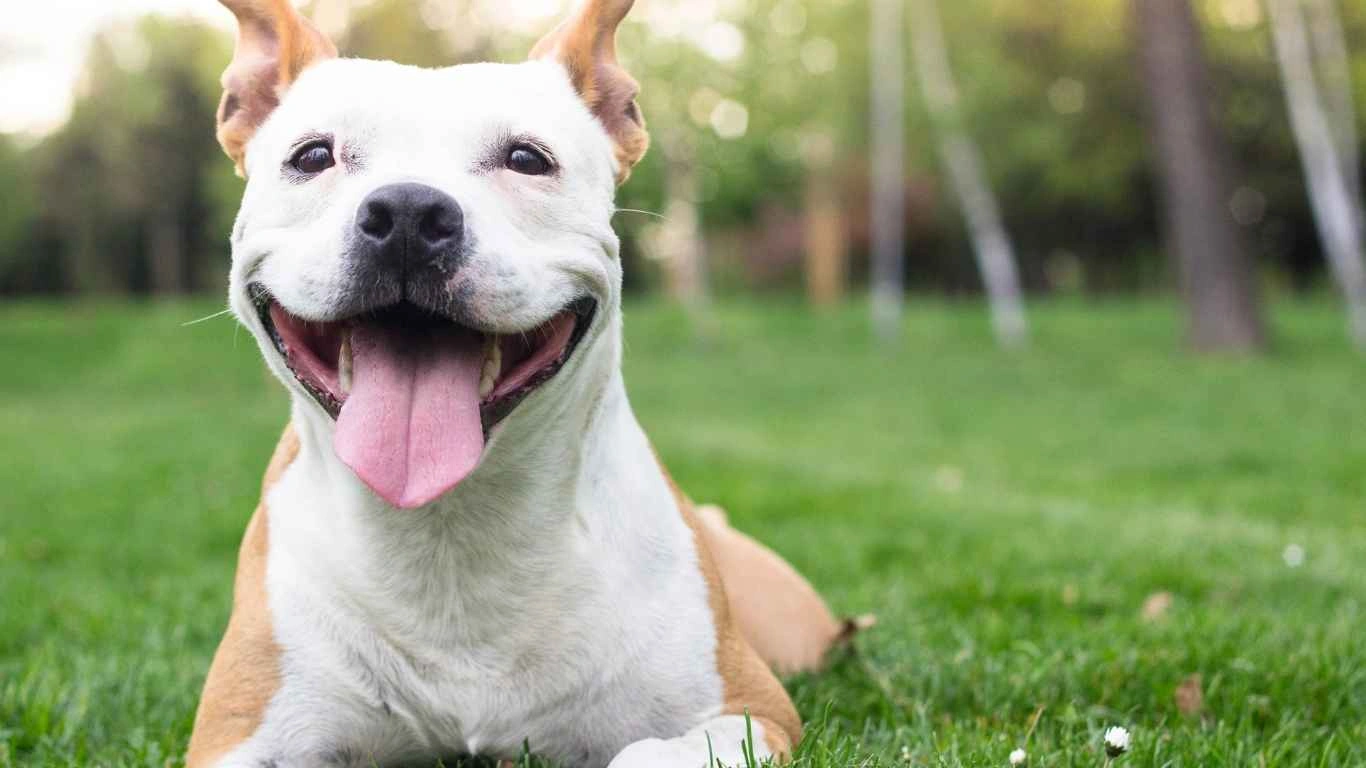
{"x":245,"y":673}
{"x":725,"y":740}
{"x":756,"y":717}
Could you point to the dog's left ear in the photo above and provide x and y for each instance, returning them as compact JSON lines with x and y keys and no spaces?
{"x":586,"y":44}
{"x":274,"y":45}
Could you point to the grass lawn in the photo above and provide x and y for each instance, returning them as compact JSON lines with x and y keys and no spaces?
{"x":1006,"y":516}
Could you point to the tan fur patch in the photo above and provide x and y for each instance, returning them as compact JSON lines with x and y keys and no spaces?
{"x":777,"y":610}
{"x":749,"y":685}
{"x":586,"y":45}
{"x":246,"y":672}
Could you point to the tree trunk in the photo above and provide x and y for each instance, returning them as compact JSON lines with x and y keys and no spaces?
{"x":990,"y":241}
{"x":1218,"y":278}
{"x":827,"y":248}
{"x":1335,"y":70}
{"x":681,"y":234}
{"x":90,"y":268}
{"x":888,"y":163}
{"x":166,"y":254}
{"x":1329,"y":168}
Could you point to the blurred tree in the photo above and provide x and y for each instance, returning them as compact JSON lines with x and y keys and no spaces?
{"x":18,"y":224}
{"x":1217,"y":275}
{"x":403,"y":31}
{"x":1335,"y":71}
{"x":1327,"y":142}
{"x":773,"y":96}
{"x":126,"y":181}
{"x":963,"y":164}
{"x":770,"y":97}
{"x":887,"y":165}
{"x":1051,"y":89}
{"x":826,"y":238}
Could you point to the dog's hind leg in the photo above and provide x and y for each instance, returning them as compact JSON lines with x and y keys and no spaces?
{"x":775,"y":608}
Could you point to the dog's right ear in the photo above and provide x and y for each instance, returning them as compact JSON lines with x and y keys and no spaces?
{"x":274,"y":44}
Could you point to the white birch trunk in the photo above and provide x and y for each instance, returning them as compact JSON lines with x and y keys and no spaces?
{"x":991,"y":243}
{"x":888,"y":166}
{"x":1335,"y":71}
{"x":1336,"y":204}
{"x":679,"y":238}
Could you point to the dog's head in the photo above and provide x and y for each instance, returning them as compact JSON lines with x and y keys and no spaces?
{"x":425,"y":254}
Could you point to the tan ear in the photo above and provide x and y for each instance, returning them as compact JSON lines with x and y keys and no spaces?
{"x":586,"y":44}
{"x":274,"y":45}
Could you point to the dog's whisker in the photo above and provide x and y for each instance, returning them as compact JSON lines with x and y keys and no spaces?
{"x":659,"y":216}
{"x":207,"y":318}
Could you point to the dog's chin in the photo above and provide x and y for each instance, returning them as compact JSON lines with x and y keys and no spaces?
{"x":416,"y":394}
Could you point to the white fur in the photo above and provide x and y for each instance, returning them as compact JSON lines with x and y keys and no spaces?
{"x":542,"y":241}
{"x":723,"y":739}
{"x":555,"y":597}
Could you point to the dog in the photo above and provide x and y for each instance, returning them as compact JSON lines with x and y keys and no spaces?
{"x":465,"y":543}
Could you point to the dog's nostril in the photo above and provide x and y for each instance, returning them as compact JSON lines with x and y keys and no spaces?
{"x":439,"y":223}
{"x":410,"y":218}
{"x":377,"y":220}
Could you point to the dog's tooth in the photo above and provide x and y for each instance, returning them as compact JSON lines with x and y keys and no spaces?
{"x":493,"y":365}
{"x":344,"y":372}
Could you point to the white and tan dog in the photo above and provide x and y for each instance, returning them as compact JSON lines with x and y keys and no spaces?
{"x":465,"y":543}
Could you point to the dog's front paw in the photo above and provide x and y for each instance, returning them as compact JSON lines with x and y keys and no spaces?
{"x":723,"y":739}
{"x":664,"y":753}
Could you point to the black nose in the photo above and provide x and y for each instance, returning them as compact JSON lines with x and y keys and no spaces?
{"x":409,"y":227}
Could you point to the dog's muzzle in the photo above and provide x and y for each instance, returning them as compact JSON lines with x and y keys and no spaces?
{"x":416,"y":383}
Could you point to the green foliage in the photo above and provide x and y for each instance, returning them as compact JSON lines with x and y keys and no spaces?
{"x":18,"y":209}
{"x":1005,"y":516}
{"x":1050,"y":90}
{"x":138,"y":161}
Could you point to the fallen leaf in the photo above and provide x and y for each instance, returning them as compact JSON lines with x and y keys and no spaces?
{"x":1190,"y":696}
{"x":1157,"y":605}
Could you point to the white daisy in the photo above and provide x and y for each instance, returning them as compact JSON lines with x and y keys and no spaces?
{"x":1293,"y":555}
{"x":1018,"y":757}
{"x":1116,"y":741}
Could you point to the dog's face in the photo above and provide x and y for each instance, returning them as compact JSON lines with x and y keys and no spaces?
{"x":421,"y":251}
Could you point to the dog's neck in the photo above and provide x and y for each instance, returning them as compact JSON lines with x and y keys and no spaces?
{"x":567,"y":469}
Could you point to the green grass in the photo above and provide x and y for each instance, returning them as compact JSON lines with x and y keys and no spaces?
{"x":1005,"y":515}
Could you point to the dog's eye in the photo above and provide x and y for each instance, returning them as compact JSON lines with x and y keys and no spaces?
{"x":313,"y":158}
{"x":529,"y":161}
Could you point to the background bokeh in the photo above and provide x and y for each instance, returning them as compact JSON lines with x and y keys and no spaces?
{"x":759,"y":110}
{"x":1095,"y":528}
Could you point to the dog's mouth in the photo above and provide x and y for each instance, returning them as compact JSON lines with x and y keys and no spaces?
{"x":416,"y":394}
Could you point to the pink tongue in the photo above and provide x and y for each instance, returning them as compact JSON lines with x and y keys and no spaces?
{"x":410,"y":428}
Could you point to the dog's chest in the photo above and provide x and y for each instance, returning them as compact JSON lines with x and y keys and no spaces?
{"x":577,"y":706}
{"x":588,"y":646}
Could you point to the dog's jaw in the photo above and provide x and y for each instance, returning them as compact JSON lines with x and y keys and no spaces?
{"x":513,"y":364}
{"x":408,"y":416}
{"x":540,"y":444}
